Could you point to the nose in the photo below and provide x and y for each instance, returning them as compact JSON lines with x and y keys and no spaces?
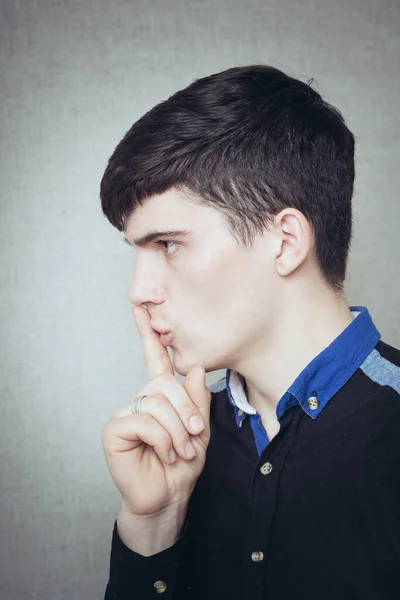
{"x":141,"y":298}
{"x":141,"y":291}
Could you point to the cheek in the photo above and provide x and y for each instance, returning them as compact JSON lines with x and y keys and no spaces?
{"x":219,"y":290}
{"x":213,"y":277}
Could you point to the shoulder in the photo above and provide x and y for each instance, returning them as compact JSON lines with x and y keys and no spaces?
{"x":388,"y":352}
{"x":382,"y":366}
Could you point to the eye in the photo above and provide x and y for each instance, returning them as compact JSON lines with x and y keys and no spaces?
{"x":161,"y":242}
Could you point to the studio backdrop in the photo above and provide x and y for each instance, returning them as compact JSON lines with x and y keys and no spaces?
{"x":75,"y":75}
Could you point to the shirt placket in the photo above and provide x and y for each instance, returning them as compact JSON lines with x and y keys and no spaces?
{"x":262,"y":505}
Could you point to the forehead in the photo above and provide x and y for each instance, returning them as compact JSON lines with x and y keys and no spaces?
{"x":171,"y":210}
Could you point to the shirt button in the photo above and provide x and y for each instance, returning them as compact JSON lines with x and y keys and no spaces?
{"x":160,"y":586}
{"x":266,"y":468}
{"x":313,"y":402}
{"x":240,"y":413}
{"x":257,"y":556}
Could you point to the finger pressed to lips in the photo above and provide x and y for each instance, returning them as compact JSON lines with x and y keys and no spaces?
{"x":156,"y":355}
{"x":161,"y":373}
{"x":166,"y":400}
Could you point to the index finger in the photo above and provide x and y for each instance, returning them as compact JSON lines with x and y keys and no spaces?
{"x":156,"y":355}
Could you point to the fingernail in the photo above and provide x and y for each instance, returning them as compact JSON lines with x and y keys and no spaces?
{"x":172,"y":455}
{"x":196,"y":424}
{"x":190,"y":451}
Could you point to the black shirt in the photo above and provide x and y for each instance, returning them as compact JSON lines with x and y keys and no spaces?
{"x":312,"y":514}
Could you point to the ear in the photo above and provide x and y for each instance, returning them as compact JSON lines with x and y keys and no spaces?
{"x":295,"y":240}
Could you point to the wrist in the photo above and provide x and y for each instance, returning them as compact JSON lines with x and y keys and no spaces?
{"x":150,"y":534}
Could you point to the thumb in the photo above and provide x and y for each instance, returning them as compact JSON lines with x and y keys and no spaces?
{"x":196,"y":387}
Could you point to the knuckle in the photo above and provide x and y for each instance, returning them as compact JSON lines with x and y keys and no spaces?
{"x":106,"y":433}
{"x":107,"y":427}
{"x":157,"y":401}
{"x":143,"y":417}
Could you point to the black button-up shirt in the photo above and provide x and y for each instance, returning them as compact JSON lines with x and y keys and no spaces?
{"x":314,"y":513}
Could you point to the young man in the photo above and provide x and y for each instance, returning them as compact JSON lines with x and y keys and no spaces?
{"x":236,"y":193}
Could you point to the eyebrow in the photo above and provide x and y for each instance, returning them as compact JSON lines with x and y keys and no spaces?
{"x":154,"y":235}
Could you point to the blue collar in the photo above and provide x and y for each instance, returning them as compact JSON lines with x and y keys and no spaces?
{"x":323,"y":377}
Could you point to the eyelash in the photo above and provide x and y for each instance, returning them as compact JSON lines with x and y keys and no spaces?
{"x":161,"y":242}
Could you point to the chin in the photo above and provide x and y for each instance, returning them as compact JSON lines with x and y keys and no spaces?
{"x":179,"y":366}
{"x":183,"y":368}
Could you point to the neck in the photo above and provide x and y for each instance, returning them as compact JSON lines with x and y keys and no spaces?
{"x":300,"y":332}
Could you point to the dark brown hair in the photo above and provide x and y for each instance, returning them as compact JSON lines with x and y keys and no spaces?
{"x":249,"y":141}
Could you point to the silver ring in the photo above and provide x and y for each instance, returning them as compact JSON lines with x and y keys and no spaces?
{"x":135,"y":404}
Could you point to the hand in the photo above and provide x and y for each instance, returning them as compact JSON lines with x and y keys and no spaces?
{"x":156,"y":456}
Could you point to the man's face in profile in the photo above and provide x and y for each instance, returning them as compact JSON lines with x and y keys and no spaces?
{"x":213,"y":295}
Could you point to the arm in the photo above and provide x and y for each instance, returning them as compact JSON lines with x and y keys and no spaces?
{"x":137,"y":575}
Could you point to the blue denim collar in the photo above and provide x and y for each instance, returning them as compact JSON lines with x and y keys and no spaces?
{"x":323,"y":377}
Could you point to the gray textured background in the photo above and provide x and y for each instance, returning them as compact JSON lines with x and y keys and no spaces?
{"x":74,"y":77}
